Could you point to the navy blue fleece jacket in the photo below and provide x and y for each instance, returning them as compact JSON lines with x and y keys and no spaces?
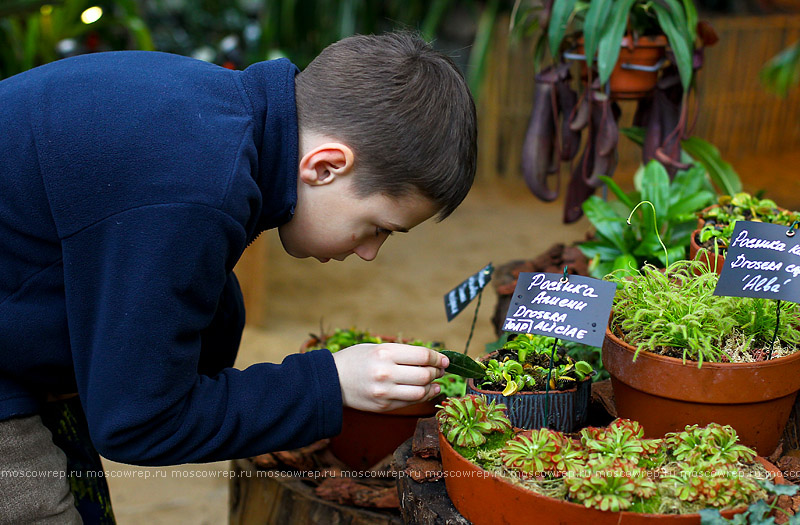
{"x":130,"y":184}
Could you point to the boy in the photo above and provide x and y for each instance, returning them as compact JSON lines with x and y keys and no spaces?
{"x":130,"y":184}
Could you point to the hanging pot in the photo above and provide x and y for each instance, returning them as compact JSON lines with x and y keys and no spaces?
{"x":665,"y":395}
{"x":636,"y":71}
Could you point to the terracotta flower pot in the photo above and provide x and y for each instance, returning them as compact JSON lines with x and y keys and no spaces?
{"x":568,"y":411}
{"x":631,"y":83}
{"x":712,"y":261}
{"x":368,"y":437}
{"x":486,"y":499}
{"x":665,"y":395}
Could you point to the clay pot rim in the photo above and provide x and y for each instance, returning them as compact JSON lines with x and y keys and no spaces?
{"x":641,"y":41}
{"x":467,"y":465}
{"x":778,"y":361}
{"x":644,"y":41}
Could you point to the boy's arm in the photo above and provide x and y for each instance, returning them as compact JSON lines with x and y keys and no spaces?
{"x":140,"y":288}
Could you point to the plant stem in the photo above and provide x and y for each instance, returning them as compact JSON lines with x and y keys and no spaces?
{"x":474,"y":318}
{"x":547,"y":386}
{"x":655,"y":227}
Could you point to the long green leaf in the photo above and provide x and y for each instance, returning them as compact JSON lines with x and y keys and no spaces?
{"x":655,"y":188}
{"x":634,"y":133}
{"x":608,"y":49}
{"x":616,"y":190}
{"x":721,"y":173}
{"x":691,"y":18}
{"x":678,"y":41}
{"x":593,"y":26}
{"x":480,"y":47}
{"x":605,"y":220}
{"x":782,"y":71}
{"x":463,"y":365}
{"x":559,"y":17}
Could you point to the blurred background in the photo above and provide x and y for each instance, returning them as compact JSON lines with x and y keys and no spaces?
{"x":750,"y":114}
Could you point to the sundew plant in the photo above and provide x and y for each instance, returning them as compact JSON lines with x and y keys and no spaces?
{"x":674,"y":312}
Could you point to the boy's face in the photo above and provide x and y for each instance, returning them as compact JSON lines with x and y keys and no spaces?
{"x":332,"y":222}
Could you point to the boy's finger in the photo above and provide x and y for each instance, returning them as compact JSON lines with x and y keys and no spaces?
{"x":421,"y":356}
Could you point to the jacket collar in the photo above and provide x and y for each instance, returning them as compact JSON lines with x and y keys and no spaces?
{"x":270,"y":88}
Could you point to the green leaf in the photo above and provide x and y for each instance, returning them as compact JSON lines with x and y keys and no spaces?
{"x":712,"y":517}
{"x":782,"y":71}
{"x":603,"y":218}
{"x":691,"y":19}
{"x":655,"y":188}
{"x":634,"y":133}
{"x":616,"y":190}
{"x":593,"y":25}
{"x":559,"y":17}
{"x":610,"y":42}
{"x":721,"y":173}
{"x":626,"y":262}
{"x":691,"y":204}
{"x":605,"y":251}
{"x":678,"y":41}
{"x":463,"y":365}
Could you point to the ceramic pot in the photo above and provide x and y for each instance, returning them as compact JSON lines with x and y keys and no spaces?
{"x":713,"y":261}
{"x":665,"y":395}
{"x":631,"y":83}
{"x":568,"y":411}
{"x":486,"y":499}
{"x":368,"y":437}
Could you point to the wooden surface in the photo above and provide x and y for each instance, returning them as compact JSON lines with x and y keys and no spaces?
{"x":256,"y":498}
{"x":424,"y":503}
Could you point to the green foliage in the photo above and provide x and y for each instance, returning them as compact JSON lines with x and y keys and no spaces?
{"x":721,"y":219}
{"x":615,"y":468}
{"x":702,"y":154}
{"x":623,"y":439}
{"x":523,"y":364}
{"x":674,"y":312}
{"x":618,"y":245}
{"x":758,"y":513}
{"x":603,"y":24}
{"x":713,"y":443}
{"x":36,"y":32}
{"x":782,"y":72}
{"x":534,"y":453}
{"x":466,"y":421}
{"x":611,"y":484}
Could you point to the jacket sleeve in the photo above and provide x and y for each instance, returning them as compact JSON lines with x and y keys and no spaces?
{"x":141,"y":286}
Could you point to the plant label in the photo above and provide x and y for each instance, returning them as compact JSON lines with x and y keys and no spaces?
{"x":575,"y":309}
{"x":762,"y":261}
{"x":459,"y":297}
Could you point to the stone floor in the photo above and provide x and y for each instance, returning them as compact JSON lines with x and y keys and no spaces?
{"x":400,"y":292}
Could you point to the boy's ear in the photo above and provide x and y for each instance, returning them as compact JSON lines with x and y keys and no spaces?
{"x":325,"y":162}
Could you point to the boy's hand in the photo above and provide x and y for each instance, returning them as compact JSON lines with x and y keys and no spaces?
{"x":385,"y":376}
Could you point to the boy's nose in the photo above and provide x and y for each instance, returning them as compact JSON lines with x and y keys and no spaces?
{"x":369,"y":250}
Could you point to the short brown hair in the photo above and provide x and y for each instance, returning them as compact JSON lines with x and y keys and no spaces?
{"x":403,"y":108}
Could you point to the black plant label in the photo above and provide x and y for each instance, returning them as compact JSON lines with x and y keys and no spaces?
{"x":459,"y":297}
{"x":763,"y":260}
{"x":575,"y":308}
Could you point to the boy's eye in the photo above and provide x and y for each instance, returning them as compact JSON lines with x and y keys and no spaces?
{"x":382,"y":231}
